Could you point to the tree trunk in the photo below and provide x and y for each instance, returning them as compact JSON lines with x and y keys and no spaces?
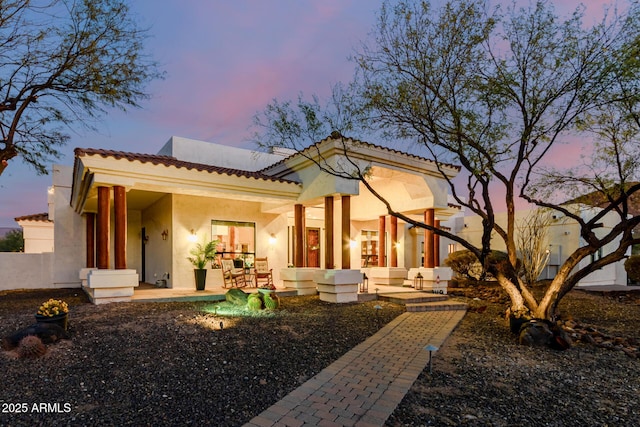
{"x":517,"y":301}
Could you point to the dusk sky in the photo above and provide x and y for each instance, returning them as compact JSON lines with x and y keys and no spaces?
{"x":224,"y":61}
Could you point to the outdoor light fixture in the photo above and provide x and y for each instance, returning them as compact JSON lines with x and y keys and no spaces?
{"x":431,"y":348}
{"x":272,"y":239}
{"x":364,"y":285}
{"x":165,"y":234}
{"x":378,"y":308}
{"x":193,"y":237}
{"x":418,"y":281}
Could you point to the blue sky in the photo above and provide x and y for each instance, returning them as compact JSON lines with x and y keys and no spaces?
{"x":225,"y":60}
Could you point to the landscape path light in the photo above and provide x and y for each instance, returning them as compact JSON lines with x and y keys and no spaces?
{"x":431,"y":348}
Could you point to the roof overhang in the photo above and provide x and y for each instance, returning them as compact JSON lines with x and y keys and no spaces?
{"x":141,"y":176}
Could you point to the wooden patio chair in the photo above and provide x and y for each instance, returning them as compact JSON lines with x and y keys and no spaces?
{"x":262,"y":272}
{"x":233,"y":277}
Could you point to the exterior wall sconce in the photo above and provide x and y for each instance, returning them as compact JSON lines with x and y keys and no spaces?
{"x":272,"y":239}
{"x":192,"y":236}
{"x":165,"y":234}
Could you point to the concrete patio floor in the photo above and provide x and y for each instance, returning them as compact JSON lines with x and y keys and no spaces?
{"x":149,"y":293}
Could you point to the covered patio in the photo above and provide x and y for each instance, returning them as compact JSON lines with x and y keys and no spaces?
{"x":140,"y":215}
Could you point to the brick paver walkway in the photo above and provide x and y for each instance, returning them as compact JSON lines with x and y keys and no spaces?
{"x":364,"y":386}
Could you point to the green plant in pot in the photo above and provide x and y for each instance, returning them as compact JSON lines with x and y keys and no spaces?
{"x":201,"y":254}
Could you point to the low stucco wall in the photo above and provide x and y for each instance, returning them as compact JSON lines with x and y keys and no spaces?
{"x":26,"y":271}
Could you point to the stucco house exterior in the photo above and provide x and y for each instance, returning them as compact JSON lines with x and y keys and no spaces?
{"x":122,"y":218}
{"x":37,"y":231}
{"x":563,"y":239}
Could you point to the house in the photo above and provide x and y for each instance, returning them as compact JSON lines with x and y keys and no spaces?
{"x":122,"y":218}
{"x":563,"y":239}
{"x":37,"y":231}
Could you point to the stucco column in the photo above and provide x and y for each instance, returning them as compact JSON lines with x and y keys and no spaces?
{"x":90,"y":232}
{"x":429,"y":219}
{"x":120,"y":227}
{"x":298,"y":238}
{"x":394,"y":242}
{"x":382,"y":246}
{"x":346,"y":232}
{"x":328,"y":233}
{"x":436,"y":246}
{"x":102,"y":232}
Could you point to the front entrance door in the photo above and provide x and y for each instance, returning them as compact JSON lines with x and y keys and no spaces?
{"x":313,"y":247}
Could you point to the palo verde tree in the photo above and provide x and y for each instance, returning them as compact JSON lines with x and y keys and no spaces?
{"x":62,"y":63}
{"x":498,"y":92}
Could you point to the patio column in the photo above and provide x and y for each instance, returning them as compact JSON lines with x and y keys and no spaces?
{"x":328,"y":233}
{"x":429,"y":217}
{"x":346,"y":232}
{"x":90,"y":231}
{"x":120,"y":227}
{"x":102,"y":232}
{"x":394,"y":241}
{"x":298,"y":238}
{"x":436,"y":246}
{"x":382,"y":247}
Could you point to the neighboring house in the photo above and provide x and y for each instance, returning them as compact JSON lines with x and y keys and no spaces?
{"x":121,"y":217}
{"x":563,"y":239}
{"x":37,"y":231}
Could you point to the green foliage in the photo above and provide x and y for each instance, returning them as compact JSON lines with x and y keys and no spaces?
{"x":237,"y":297}
{"x":466,"y":265}
{"x":271,"y":301}
{"x":203,"y":253}
{"x":65,"y":63}
{"x":254,"y":302}
{"x":12,"y":242}
{"x":632,"y":267}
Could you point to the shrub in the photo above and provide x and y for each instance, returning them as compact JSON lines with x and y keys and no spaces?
{"x":466,"y":265}
{"x":632,"y":267}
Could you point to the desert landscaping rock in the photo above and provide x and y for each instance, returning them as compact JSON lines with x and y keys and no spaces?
{"x":171,"y":364}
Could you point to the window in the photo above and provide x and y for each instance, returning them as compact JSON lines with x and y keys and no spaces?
{"x":237,"y":241}
{"x":596,"y":256}
{"x":369,"y":248}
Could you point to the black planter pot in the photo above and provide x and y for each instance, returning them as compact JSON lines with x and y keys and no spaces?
{"x":61,"y":320}
{"x":201,"y":278}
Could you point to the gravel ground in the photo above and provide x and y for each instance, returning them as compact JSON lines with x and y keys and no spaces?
{"x":481,"y":377}
{"x":170,"y":364}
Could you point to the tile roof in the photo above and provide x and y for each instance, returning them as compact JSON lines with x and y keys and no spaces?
{"x":44,"y":217}
{"x":158,"y":159}
{"x":599,"y":199}
{"x":336,"y":135}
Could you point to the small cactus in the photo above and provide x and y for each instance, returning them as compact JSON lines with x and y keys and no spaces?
{"x":271,"y":301}
{"x":254,"y":302}
{"x":31,"y":347}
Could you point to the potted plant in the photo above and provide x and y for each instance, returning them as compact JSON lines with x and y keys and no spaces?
{"x":54,"y":311}
{"x":202,"y":253}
